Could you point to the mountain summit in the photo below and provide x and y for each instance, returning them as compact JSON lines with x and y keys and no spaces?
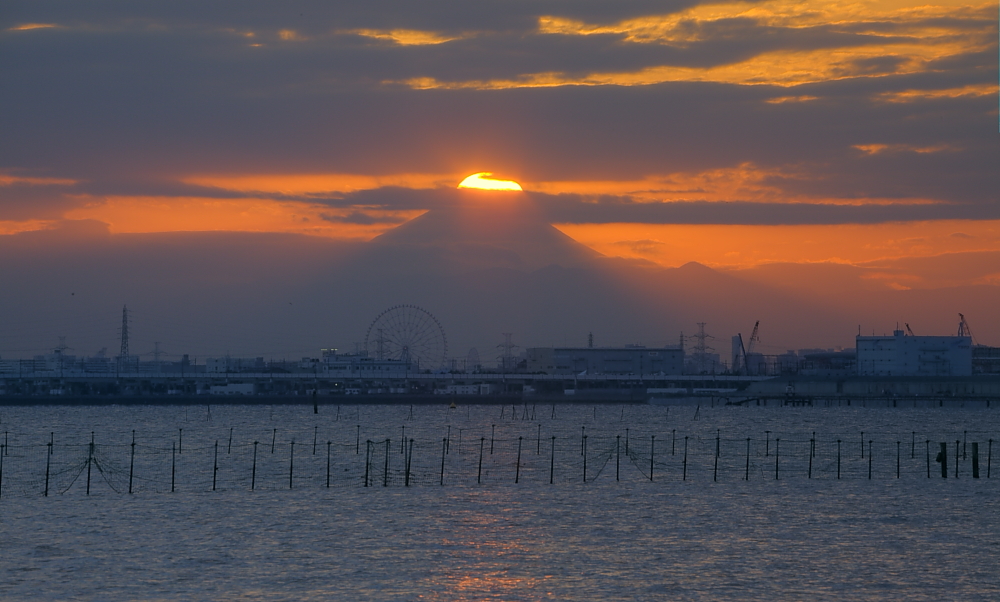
{"x":486,"y":229}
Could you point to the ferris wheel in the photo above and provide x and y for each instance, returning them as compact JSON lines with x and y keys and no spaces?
{"x":408,"y":333}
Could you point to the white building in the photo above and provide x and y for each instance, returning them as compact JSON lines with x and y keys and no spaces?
{"x":901,"y":355}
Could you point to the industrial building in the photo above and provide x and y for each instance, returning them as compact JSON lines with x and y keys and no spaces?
{"x":631,"y":359}
{"x":908,"y":355}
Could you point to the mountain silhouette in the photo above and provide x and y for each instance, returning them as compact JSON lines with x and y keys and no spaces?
{"x":482,"y":265}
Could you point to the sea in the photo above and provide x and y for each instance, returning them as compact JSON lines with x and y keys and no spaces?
{"x":526,"y":501}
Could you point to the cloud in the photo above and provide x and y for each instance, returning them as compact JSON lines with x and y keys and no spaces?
{"x":170,"y":100}
{"x":366,"y":218}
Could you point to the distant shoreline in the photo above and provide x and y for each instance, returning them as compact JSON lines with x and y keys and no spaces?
{"x":217,"y":400}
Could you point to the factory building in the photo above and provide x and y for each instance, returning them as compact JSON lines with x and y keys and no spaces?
{"x":631,"y":359}
{"x":902,"y":355}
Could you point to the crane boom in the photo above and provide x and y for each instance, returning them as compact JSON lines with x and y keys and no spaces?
{"x":963,"y":328}
{"x":753,"y":337}
{"x":742,"y":355}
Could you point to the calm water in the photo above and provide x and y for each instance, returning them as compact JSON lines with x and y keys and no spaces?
{"x":792,"y":538}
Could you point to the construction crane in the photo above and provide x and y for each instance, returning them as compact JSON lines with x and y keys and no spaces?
{"x":746,"y":350}
{"x":963,"y":328}
{"x":909,"y":330}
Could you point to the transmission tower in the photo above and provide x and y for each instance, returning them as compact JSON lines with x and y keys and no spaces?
{"x":123,"y":355}
{"x":507,"y":351}
{"x":701,"y":349}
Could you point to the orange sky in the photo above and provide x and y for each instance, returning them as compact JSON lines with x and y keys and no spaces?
{"x":813,"y":102}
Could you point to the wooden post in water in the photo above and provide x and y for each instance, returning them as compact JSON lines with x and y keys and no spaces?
{"x":402,"y":439}
{"x":131,"y":463}
{"x":746,"y":476}
{"x":3,"y":452}
{"x":315,"y":435}
{"x":368,"y":455}
{"x":767,"y":443}
{"x":583,"y":437}
{"x":618,"y":456}
{"x":444,"y":450}
{"x":942,"y":457}
{"x":975,"y":459}
{"x":684,"y":475}
{"x":447,"y":441}
{"x":173,"y":468}
{"x":180,"y":441}
{"x":956,"y":457}
{"x":409,"y":458}
{"x":584,"y":454}
{"x":48,"y":460}
{"x":274,"y":436}
{"x":328,"y":443}
{"x":715,"y":470}
{"x":812,"y":443}
{"x":215,"y":464}
{"x":385,"y":472}
{"x":538,"y":441}
{"x":517,"y":471}
{"x":357,"y":442}
{"x":777,"y":455}
{"x":90,"y":459}
{"x":965,"y":451}
{"x":479,"y":475}
{"x":927,"y":453}
{"x":291,"y":462}
{"x":493,"y":432}
{"x":230,"y":448}
{"x":652,"y":445}
{"x":253,"y":470}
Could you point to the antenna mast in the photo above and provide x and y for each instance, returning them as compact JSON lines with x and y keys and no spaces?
{"x":123,"y":355}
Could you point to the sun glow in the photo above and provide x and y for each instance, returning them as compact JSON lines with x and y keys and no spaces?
{"x":482,"y":181}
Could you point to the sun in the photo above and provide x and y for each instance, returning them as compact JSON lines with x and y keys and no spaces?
{"x":482,"y":181}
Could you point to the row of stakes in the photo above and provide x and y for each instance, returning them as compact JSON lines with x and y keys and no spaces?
{"x":177,"y":447}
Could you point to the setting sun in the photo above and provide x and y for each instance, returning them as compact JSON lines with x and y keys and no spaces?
{"x":482,"y":181}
